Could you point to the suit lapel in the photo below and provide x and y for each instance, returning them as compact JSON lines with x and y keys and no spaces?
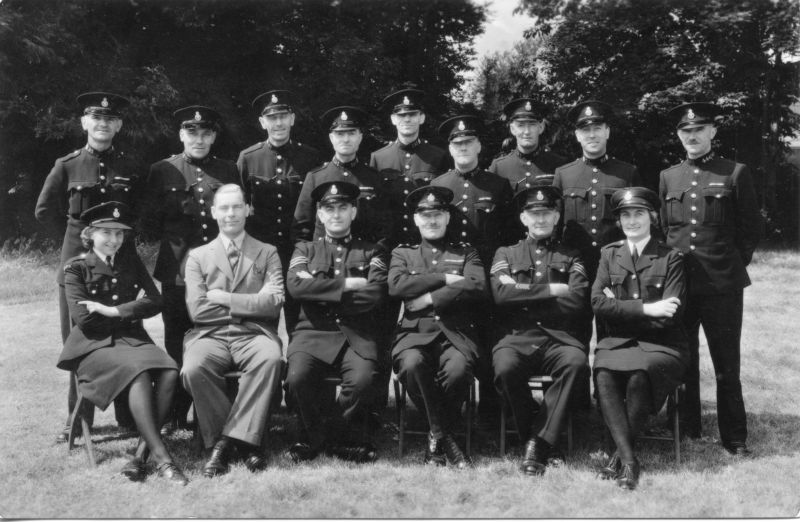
{"x":221,"y":258}
{"x":249,"y":253}
{"x":646,"y":257}
{"x":624,"y":259}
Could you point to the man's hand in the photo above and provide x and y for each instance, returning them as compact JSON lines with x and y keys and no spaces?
{"x":451,"y":279}
{"x":271,"y":288}
{"x":219,"y":297}
{"x":419,"y":303}
{"x":559,"y":289}
{"x":354,"y":283}
{"x":99,"y":308}
{"x":664,"y":308}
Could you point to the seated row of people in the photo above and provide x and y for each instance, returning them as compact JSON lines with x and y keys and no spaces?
{"x":235,"y":291}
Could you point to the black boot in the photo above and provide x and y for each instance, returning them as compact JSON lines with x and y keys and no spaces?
{"x":218,"y":462}
{"x":534,"y":461}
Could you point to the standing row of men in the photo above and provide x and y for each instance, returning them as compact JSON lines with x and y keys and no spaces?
{"x":710,"y":214}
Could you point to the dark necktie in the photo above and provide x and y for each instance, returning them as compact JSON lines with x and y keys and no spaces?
{"x":109,"y":263}
{"x":634,"y":254}
{"x":233,"y":255}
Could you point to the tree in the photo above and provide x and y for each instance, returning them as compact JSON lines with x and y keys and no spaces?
{"x":164,"y":55}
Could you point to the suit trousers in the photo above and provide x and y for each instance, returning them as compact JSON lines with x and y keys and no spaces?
{"x":567,"y":365}
{"x":305,"y":387}
{"x":176,"y":324}
{"x":721,"y":318}
{"x":205,"y":361}
{"x":437,"y":377}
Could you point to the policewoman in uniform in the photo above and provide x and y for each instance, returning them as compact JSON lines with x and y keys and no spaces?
{"x":443,"y":285}
{"x":711,"y":214}
{"x":339,"y":281}
{"x":540,"y":289}
{"x":180,"y":192}
{"x":108,"y":348}
{"x":639,"y":295}
{"x":87,"y":177}
{"x":408,"y":162}
{"x":272,"y":174}
{"x":588,"y":182}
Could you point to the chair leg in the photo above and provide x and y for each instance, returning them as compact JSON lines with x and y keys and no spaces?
{"x":569,"y":434}
{"x":470,"y":411}
{"x":676,"y":425}
{"x":401,"y":398}
{"x":87,"y":441}
{"x":503,"y":419}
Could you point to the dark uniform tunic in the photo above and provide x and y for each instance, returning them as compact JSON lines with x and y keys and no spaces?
{"x":107,"y":353}
{"x":377,"y":209}
{"x":436,"y":348}
{"x":587,"y":185}
{"x":520,"y":168}
{"x":482,"y":209}
{"x":633,"y":340}
{"x":405,"y":168}
{"x":180,"y":192}
{"x":77,"y":182}
{"x":539,"y":333}
{"x":711,"y":214}
{"x":336,"y":332}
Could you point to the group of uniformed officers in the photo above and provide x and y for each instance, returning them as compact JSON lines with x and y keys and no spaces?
{"x":490,"y":272}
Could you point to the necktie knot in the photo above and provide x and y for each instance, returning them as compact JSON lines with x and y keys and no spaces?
{"x":634,"y":254}
{"x":108,"y":262}
{"x":233,"y":255}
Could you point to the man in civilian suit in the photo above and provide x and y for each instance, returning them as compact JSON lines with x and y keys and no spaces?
{"x":234,"y":294}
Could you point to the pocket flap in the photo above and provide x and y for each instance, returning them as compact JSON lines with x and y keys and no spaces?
{"x":576,"y":192}
{"x":617,"y":279}
{"x":717,"y":192}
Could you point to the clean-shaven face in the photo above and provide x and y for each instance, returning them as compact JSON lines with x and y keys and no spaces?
{"x":465,"y":152}
{"x":278,"y":127}
{"x":107,"y":240}
{"x":408,"y":124}
{"x":635,"y":223}
{"x":593,"y":139}
{"x":346,"y":142}
{"x":527,"y":133}
{"x":197,"y":142}
{"x":230,"y":211}
{"x":337,"y":217}
{"x":100,"y":130}
{"x":540,"y":222}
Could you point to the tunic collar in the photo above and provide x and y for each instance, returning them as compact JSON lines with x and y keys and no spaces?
{"x":434,"y":243}
{"x":192,"y":161}
{"x":410,"y":146}
{"x":345,"y":165}
{"x":339,"y":240}
{"x":529,"y":156}
{"x":469,"y":173}
{"x":595,"y":161}
{"x":702,"y":160}
{"x":544,"y":243}
{"x":102,"y":154}
{"x":283,"y":149}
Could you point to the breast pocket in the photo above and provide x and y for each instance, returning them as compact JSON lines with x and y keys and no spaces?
{"x":654,"y":288}
{"x":719,"y":204}
{"x":618,"y":285}
{"x":605,"y":201}
{"x":320,"y":269}
{"x":121,"y":187}
{"x":357,"y":268}
{"x":522,"y":272}
{"x":558,"y":272}
{"x":82,"y":196}
{"x":674,"y":207}
{"x":576,"y":206}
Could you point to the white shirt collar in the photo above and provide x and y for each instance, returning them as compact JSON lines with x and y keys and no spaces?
{"x":639,"y":246}
{"x":237,"y":241}
{"x":102,"y":257}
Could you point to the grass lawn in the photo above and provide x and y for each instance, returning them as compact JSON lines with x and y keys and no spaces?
{"x":40,"y":478}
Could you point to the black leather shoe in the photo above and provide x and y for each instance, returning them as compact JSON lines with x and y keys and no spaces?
{"x":455,"y":457}
{"x":434,"y":452}
{"x":534,"y":460}
{"x":171,"y":472}
{"x":218,"y":462}
{"x":302,"y":452}
{"x":737,"y":449}
{"x":134,"y":470}
{"x":360,"y":453}
{"x":611,"y":470}
{"x":255,"y":461}
{"x":628,"y":477}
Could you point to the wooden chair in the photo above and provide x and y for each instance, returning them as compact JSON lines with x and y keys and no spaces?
{"x":400,"y":399}
{"x":77,"y":417}
{"x":673,"y":403}
{"x":536,"y":383}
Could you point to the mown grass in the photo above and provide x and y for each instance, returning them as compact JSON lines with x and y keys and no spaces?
{"x":42,"y":480}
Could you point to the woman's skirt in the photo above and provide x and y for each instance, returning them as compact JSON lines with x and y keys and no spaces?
{"x":665,"y":371}
{"x":106,"y":372}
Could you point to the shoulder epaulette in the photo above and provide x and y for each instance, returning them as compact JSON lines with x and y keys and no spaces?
{"x":615,"y":244}
{"x":318,"y":168}
{"x":254,"y":148}
{"x":72,"y":260}
{"x":72,"y":155}
{"x":571,"y":163}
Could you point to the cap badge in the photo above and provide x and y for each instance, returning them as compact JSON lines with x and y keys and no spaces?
{"x":690,"y":114}
{"x":274,"y":99}
{"x":588,"y":111}
{"x":539,"y":196}
{"x":334,"y":190}
{"x":343,"y":117}
{"x":115,"y":213}
{"x":528,"y":106}
{"x":406,"y":101}
{"x":104,"y":103}
{"x":628,"y":195}
{"x":197,"y":116}
{"x":431,"y":198}
{"x":461,"y":125}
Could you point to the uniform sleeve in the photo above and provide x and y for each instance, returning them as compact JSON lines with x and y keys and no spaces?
{"x":576,"y":302}
{"x":244,"y":175}
{"x":748,"y":216}
{"x":610,"y":308}
{"x":306,"y":287}
{"x":304,"y":214}
{"x":373,"y":161}
{"x":508,"y":223}
{"x":404,"y":284}
{"x":674,"y":286}
{"x":75,"y":289}
{"x":557,"y":181}
{"x":149,"y":304}
{"x":506,"y":291}
{"x":470,"y":289}
{"x":493,"y":167}
{"x":264,"y":304}
{"x":51,"y":209}
{"x":374,"y":293}
{"x":662,"y":196}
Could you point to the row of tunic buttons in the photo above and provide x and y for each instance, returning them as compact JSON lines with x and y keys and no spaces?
{"x":594,"y":205}
{"x":693,"y":195}
{"x":464,"y":209}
